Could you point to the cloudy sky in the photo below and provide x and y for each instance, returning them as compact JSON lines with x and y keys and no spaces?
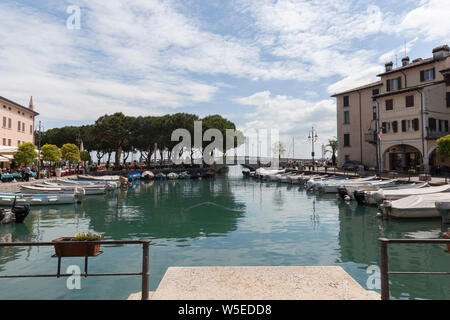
{"x":262,"y":64}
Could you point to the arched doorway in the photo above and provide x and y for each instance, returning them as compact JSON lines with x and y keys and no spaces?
{"x":403,"y":157}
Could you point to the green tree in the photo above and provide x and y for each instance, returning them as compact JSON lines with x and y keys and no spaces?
{"x":444,"y":146}
{"x":279,"y":149}
{"x":51,"y":153}
{"x":333,"y":144}
{"x":113,"y":132}
{"x":85,"y":156}
{"x":25,"y":154}
{"x":70,"y":153}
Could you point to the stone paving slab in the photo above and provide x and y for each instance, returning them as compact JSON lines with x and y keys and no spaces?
{"x":260,"y":283}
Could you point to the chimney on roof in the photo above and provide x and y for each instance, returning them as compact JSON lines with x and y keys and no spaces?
{"x":405,"y":61}
{"x":439,"y":53}
{"x":389,"y":66}
{"x":31,"y":105}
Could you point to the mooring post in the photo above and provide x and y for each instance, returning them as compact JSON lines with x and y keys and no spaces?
{"x":384,"y":269}
{"x":145,"y":269}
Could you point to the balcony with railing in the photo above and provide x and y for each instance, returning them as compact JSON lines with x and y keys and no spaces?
{"x":370,"y":137}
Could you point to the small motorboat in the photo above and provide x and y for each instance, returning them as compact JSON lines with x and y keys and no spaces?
{"x":160,"y":176}
{"x":294,"y":178}
{"x":135,"y":175}
{"x":416,"y":206}
{"x":97,"y":178}
{"x":172,"y":176}
{"x":89,"y":188}
{"x":362,"y":195}
{"x":147,"y":175}
{"x":6,"y":199}
{"x":371,"y":185}
{"x":71,"y":182}
{"x":16,"y":214}
{"x":333,"y":186}
{"x":184,"y":175}
{"x":380,"y":195}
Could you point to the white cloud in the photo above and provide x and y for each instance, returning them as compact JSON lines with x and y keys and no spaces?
{"x":293,"y":117}
{"x":430,"y":19}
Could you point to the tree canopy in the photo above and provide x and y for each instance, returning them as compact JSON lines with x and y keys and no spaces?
{"x":120,"y":135}
{"x":50,"y":153}
{"x":444,"y":146}
{"x":25,"y":154}
{"x":70,"y":153}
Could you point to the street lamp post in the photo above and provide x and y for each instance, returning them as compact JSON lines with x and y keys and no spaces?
{"x":313,"y":137}
{"x":39,"y":152}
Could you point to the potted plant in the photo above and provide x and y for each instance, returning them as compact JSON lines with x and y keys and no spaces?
{"x":78,"y":250}
{"x":446,"y":235}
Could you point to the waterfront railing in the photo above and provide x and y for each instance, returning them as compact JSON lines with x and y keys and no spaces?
{"x":145,"y":261}
{"x":384,"y":261}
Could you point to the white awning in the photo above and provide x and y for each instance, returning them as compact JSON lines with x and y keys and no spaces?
{"x":4,"y":159}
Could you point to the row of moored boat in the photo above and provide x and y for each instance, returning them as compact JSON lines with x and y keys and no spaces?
{"x":394,"y":199}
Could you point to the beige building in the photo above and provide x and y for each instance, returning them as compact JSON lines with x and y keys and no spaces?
{"x":409,"y":106}
{"x":356,"y":122}
{"x":17,"y":126}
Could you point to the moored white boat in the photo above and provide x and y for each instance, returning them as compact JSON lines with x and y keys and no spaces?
{"x":107,"y":184}
{"x":7,"y":199}
{"x":89,"y":189}
{"x":380,"y":195}
{"x":364,"y":195}
{"x":370,"y":185}
{"x":172,"y":176}
{"x":415,"y":206}
{"x":332,"y":186}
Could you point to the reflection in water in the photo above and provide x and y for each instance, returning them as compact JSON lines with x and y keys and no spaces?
{"x":226,"y":221}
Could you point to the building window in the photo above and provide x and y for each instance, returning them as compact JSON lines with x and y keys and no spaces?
{"x":406,"y":125}
{"x":9,"y":142}
{"x":447,"y":79}
{"x":346,"y":117}
{"x":346,"y":101}
{"x":394,"y":84}
{"x":18,"y":143}
{"x":347,"y":140}
{"x":31,"y":129}
{"x":374,"y":116}
{"x":23,"y":126}
{"x":415,"y":124}
{"x":395,"y":126}
{"x":347,"y":157}
{"x":9,"y":123}
{"x":4,"y":122}
{"x":4,"y":141}
{"x":375,"y":92}
{"x":389,"y":104}
{"x":448,"y":99}
{"x":409,"y":101}
{"x":427,"y":75}
{"x":18,"y":126}
{"x":432,"y":124}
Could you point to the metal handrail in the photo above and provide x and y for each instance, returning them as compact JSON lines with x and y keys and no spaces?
{"x":384,"y":261}
{"x":145,"y":260}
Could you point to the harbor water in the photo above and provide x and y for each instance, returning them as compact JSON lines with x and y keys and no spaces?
{"x":226,"y":221}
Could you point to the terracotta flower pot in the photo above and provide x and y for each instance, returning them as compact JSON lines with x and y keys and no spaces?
{"x":75,"y":250}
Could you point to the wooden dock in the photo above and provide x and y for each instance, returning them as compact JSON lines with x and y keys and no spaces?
{"x":258,"y":283}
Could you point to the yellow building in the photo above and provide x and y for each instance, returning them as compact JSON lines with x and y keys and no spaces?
{"x":409,"y":107}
